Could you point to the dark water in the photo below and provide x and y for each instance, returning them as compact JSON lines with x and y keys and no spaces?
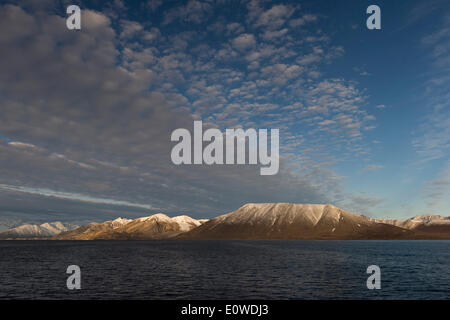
{"x":225,"y":269}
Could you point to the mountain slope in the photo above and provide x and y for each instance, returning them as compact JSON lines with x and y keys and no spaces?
{"x":44,"y":230}
{"x":157,"y":226}
{"x":294,"y":221}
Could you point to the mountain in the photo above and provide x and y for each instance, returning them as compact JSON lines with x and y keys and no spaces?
{"x":157,"y":226}
{"x":425,"y":223}
{"x":294,"y":221}
{"x":251,"y":221}
{"x":45,"y":230}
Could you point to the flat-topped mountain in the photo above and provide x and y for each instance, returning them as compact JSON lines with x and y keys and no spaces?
{"x":157,"y":226}
{"x":294,"y":221}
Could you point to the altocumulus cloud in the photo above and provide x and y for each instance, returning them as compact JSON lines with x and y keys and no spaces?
{"x":87,"y":116}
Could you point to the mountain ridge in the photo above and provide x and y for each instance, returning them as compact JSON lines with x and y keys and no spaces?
{"x":156,"y":226}
{"x":264,"y":221}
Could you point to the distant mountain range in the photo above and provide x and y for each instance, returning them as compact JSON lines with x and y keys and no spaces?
{"x":45,"y":230}
{"x":425,"y":223}
{"x":250,"y":222}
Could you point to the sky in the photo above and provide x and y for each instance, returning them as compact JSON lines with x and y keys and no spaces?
{"x":86,"y":115}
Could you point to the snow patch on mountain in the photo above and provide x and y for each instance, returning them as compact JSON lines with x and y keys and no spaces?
{"x":116,"y":223}
{"x":186,"y":223}
{"x":156,"y":216}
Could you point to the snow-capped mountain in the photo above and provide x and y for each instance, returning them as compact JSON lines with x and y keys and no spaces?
{"x":294,"y":221}
{"x":45,"y":230}
{"x":156,"y":226}
{"x":251,"y":221}
{"x":428,"y":223}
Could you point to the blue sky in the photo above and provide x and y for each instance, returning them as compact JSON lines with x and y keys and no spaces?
{"x":86,"y":116}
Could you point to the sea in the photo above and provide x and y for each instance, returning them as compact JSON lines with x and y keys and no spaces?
{"x":187,"y":269}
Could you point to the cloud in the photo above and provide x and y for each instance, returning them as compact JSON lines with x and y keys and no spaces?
{"x":130,"y":28}
{"x":21,"y":144}
{"x":94,"y":20}
{"x":81,"y":113}
{"x":372,"y":167}
{"x":306,"y":18}
{"x":194,"y":11}
{"x":16,"y":30}
{"x":100,"y":123}
{"x":154,"y":4}
{"x":73,"y":196}
{"x":437,"y":191}
{"x":421,"y":10}
{"x":432,"y":139}
{"x":362,"y":203}
{"x":275,"y":17}
{"x":244,"y":42}
{"x":234,"y":27}
{"x":272,"y":35}
{"x":361,"y":71}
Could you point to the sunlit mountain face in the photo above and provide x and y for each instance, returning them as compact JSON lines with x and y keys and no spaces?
{"x":86,"y":116}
